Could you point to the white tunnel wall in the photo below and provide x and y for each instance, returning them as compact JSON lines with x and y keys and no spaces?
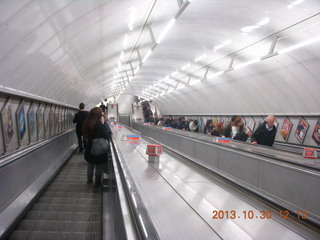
{"x":125,"y":103}
{"x":283,"y":84}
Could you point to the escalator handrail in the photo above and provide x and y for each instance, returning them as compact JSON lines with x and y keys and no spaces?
{"x":142,"y":221}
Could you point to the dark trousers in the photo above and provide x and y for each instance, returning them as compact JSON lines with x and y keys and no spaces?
{"x":98,"y":173}
{"x":80,"y":140}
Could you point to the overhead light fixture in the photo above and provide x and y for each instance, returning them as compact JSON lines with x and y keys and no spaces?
{"x":218,"y":47}
{"x":166,"y":30}
{"x":122,"y":54}
{"x":125,"y":41}
{"x":248,"y":29}
{"x":195,"y":82}
{"x":174,"y":73}
{"x":264,"y":21}
{"x":295,"y":3}
{"x":215,"y":74}
{"x":132,"y":18}
{"x":136,"y":70}
{"x":247,"y":63}
{"x":147,"y":55}
{"x":299,"y":45}
{"x":200,"y":58}
{"x":185,"y":66}
{"x":222,"y":45}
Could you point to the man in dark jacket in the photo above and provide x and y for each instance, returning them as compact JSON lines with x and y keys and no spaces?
{"x":265,"y":133}
{"x":78,"y":119}
{"x":103,"y":107}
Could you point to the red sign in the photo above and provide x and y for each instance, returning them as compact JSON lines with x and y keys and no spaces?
{"x":154,"y":150}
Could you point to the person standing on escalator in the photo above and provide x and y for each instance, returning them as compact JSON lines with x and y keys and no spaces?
{"x":93,"y":128}
{"x":79,"y":117}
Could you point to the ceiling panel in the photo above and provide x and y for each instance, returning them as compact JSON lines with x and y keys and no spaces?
{"x":96,"y":48}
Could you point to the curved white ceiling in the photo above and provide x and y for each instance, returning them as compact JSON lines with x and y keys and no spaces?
{"x":89,"y":50}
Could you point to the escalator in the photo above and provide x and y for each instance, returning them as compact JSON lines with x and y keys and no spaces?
{"x":68,"y":209}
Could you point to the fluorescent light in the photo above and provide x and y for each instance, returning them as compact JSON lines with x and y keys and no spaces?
{"x":136,"y":70}
{"x":147,"y":55}
{"x":166,"y":30}
{"x":200,"y":58}
{"x":122,"y":54}
{"x":174,"y":73}
{"x":297,"y":2}
{"x":249,"y":28}
{"x":264,"y":21}
{"x":195,"y":82}
{"x":218,"y":47}
{"x":225,"y":43}
{"x":247,"y":63}
{"x":299,"y":45}
{"x":125,"y":41}
{"x":182,"y":86}
{"x":185,"y":66}
{"x":215,"y":74}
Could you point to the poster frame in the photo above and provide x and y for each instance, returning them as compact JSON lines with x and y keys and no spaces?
{"x":286,"y":132}
{"x":32,"y":125}
{"x":40,"y":122}
{"x":7,"y":138}
{"x":298,"y":131}
{"x":21,"y":126}
{"x":316,"y":131}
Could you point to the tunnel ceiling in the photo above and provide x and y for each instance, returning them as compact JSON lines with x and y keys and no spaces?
{"x":89,"y":50}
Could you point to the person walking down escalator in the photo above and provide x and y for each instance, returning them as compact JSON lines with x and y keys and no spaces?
{"x":94,"y":128}
{"x":148,"y":115}
{"x":79,"y":117}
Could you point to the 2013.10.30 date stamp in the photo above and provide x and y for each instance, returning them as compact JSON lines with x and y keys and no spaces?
{"x":250,"y":214}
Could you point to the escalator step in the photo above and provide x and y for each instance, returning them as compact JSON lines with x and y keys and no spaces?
{"x":90,"y":195}
{"x":23,"y":235}
{"x":59,"y":226}
{"x":63,"y":216}
{"x":74,"y":201}
{"x":68,"y":209}
{"x":75,"y":189}
{"x":65,"y":208}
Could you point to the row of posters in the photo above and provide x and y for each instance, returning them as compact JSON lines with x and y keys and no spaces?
{"x":46,"y":122}
{"x":300,"y":132}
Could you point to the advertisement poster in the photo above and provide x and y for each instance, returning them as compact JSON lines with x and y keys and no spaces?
{"x":316,"y":133}
{"x":215,"y":121}
{"x":31,"y":121}
{"x":286,"y":129}
{"x":39,"y":122}
{"x":262,"y":120}
{"x":251,"y":124}
{"x":7,"y":123}
{"x":46,"y":121}
{"x":51,"y":122}
{"x":220,"y":119}
{"x":301,"y":130}
{"x":56,"y":120}
{"x":21,"y":120}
